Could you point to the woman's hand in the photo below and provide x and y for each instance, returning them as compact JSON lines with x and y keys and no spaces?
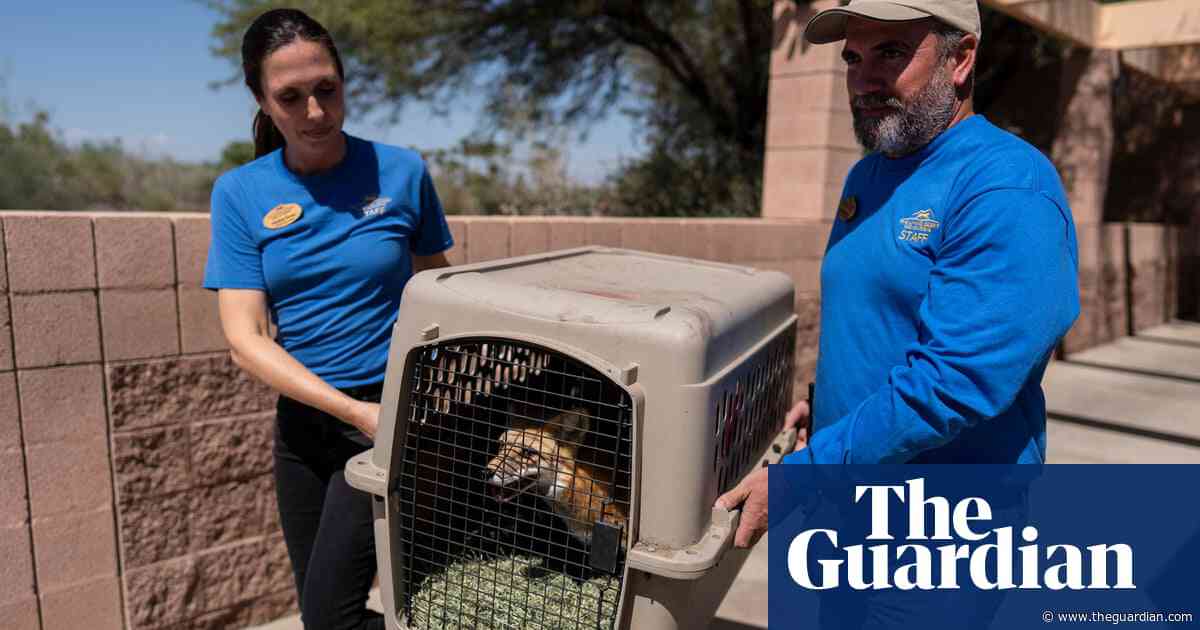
{"x":365,"y":417}
{"x":247,"y":328}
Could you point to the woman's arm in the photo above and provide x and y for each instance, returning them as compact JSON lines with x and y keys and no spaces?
{"x":246,"y":326}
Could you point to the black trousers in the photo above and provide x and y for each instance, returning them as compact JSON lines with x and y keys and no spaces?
{"x":326,"y":523}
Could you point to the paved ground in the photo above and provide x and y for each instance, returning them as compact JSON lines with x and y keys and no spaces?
{"x":1133,"y":401}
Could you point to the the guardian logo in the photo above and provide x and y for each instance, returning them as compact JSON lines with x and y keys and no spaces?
{"x":986,"y":556}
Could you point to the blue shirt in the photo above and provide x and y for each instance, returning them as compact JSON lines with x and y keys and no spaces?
{"x":333,"y":277}
{"x":949,"y":277}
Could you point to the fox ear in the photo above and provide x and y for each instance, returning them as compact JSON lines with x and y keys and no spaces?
{"x":572,"y":425}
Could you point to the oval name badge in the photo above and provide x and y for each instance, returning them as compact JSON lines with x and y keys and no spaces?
{"x":847,"y":208}
{"x":282,"y":215}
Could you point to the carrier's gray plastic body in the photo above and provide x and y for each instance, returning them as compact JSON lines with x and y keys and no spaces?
{"x":688,"y":340}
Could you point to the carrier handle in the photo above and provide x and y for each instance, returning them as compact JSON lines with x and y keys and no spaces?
{"x":694,"y":561}
{"x":363,"y":474}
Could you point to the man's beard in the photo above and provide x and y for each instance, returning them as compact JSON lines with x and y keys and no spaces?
{"x":906,"y":128}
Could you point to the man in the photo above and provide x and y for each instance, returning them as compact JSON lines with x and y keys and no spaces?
{"x":950,"y":273}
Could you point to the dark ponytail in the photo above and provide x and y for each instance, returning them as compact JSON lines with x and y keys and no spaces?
{"x":270,"y":32}
{"x":267,"y":136}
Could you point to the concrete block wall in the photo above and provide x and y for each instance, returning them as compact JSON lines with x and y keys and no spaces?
{"x":59,"y":514}
{"x":1128,"y":280}
{"x":1154,"y":259}
{"x":1104,"y":308}
{"x":135,"y":458}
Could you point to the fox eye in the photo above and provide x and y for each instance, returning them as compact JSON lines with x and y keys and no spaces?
{"x":529,"y":451}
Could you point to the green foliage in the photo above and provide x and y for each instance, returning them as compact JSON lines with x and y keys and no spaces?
{"x":235,"y":154}
{"x":43,"y":173}
{"x":699,"y":70}
{"x":479,"y":178}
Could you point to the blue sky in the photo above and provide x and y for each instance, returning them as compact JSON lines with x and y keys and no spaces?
{"x":139,"y":71}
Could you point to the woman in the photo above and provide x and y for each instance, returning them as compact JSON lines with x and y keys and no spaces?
{"x":319,"y":235}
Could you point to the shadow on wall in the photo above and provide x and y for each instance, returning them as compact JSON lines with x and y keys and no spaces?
{"x":798,"y":13}
{"x":1127,"y":143}
{"x":1189,"y":271}
{"x":1154,"y":166}
{"x":725,"y":624}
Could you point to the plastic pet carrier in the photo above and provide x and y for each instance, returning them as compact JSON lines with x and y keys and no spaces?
{"x":555,"y":429}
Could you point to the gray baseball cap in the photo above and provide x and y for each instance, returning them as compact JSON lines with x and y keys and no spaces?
{"x":830,"y":25}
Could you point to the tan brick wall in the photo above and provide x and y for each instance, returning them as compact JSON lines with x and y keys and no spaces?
{"x":135,"y":487}
{"x":1129,"y":278}
{"x":63,"y":437}
{"x":1103,"y":309}
{"x":1156,"y":260}
{"x":135,"y":458}
{"x":129,"y":443}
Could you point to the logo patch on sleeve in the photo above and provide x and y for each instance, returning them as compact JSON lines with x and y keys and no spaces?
{"x":374,"y":206}
{"x":918,"y":226}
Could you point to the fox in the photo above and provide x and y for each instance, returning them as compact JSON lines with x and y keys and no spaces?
{"x":544,"y":458}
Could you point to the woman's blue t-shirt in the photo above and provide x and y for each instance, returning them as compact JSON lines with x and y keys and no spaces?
{"x":334,"y":276}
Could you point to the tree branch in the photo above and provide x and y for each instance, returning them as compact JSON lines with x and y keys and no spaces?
{"x":663,"y":46}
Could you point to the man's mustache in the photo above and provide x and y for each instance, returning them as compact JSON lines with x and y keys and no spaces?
{"x":875,"y":101}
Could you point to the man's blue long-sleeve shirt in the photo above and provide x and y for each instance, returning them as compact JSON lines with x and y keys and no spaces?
{"x":949,"y":277}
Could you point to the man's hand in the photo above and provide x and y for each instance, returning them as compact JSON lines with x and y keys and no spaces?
{"x":751,"y":495}
{"x":799,"y":417}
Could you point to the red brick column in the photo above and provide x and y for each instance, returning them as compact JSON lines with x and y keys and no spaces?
{"x":1082,"y":152}
{"x":810,"y":137}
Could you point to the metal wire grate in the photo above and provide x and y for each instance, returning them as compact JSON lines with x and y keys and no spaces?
{"x":515,"y":487}
{"x":750,"y":413}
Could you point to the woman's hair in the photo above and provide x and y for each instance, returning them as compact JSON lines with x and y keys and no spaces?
{"x":270,"y":32}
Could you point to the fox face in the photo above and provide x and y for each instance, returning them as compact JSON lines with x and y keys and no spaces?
{"x":551,"y":460}
{"x":530,"y":458}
